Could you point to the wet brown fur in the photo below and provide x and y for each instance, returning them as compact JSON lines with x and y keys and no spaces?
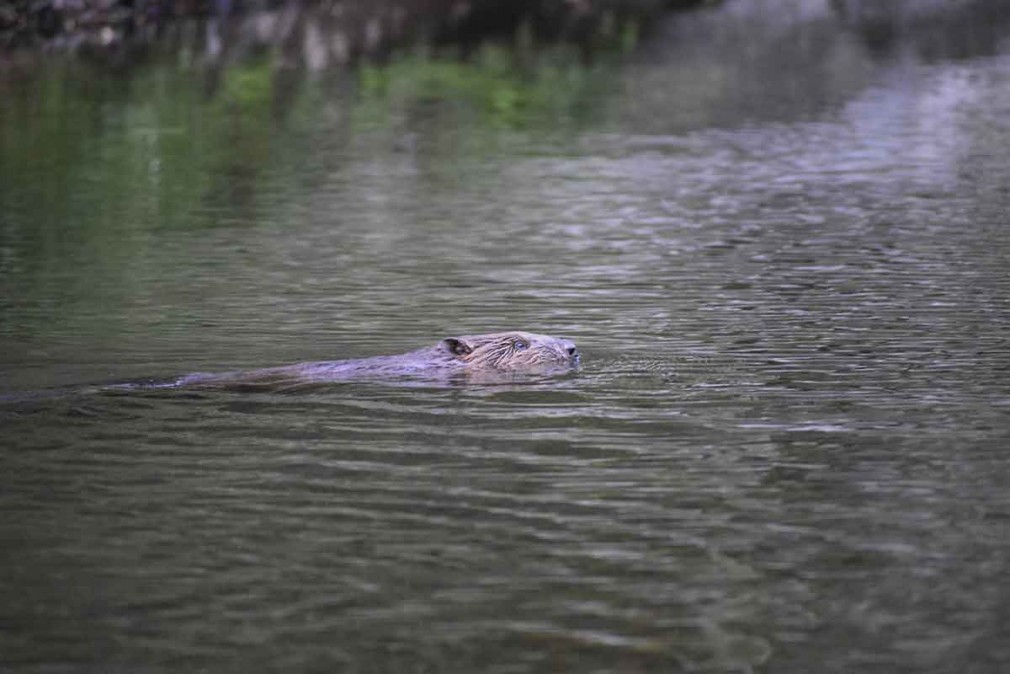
{"x":511,"y":351}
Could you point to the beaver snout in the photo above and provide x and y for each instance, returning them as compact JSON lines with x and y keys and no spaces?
{"x":571,"y":350}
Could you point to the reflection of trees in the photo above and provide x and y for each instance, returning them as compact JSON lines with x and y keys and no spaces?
{"x":99,"y":164}
{"x":931,"y":28}
{"x":329,"y":30}
{"x":317,"y":36}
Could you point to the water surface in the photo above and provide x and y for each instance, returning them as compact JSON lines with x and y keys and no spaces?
{"x":778,"y":237}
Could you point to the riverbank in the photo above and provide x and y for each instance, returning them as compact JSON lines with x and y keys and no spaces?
{"x":368,"y":28}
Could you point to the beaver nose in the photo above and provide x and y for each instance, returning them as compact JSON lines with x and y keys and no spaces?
{"x":572,"y":351}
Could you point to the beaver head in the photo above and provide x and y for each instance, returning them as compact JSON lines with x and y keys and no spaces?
{"x":512,"y":351}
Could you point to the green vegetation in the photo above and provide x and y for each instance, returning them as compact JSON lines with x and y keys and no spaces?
{"x":553,"y":91}
{"x":157,"y":146}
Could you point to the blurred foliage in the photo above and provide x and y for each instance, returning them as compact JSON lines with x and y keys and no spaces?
{"x":161,"y":145}
{"x":139,"y":149}
{"x":555,"y":90}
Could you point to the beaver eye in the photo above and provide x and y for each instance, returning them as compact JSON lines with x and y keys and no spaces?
{"x":520,"y":345}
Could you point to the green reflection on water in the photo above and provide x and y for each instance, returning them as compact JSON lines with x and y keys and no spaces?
{"x":498,"y":88}
{"x":157,"y":145}
{"x":105,"y":172}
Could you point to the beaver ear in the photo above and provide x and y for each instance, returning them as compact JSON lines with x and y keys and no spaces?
{"x":456,"y":347}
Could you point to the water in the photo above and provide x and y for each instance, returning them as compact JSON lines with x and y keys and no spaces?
{"x":777,"y":237}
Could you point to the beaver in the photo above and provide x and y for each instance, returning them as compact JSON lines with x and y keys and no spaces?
{"x":498,"y":356}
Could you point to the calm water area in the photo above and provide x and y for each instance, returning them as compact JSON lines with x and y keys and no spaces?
{"x":777,"y":230}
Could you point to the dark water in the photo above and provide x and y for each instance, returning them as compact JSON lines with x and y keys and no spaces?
{"x":777,"y":231}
